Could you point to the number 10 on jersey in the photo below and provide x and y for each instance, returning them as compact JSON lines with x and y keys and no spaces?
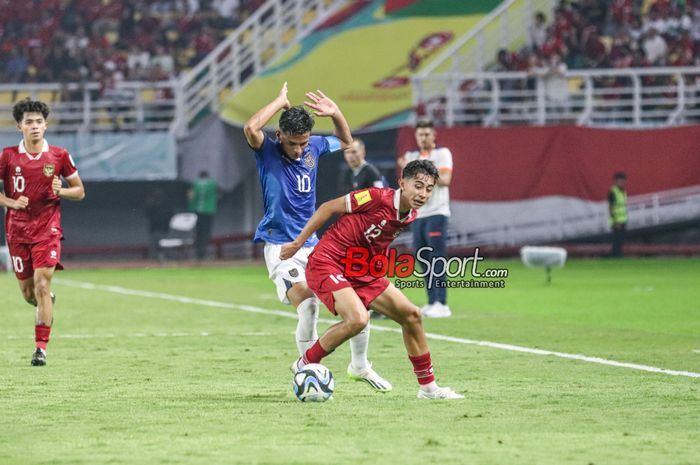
{"x":303,"y":183}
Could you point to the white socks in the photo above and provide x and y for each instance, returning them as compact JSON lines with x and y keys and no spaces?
{"x":307,"y":311}
{"x":358,"y":348}
{"x":430,"y":387}
{"x":306,"y":333}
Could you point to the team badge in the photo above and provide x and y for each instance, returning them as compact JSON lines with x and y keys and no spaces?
{"x":48,"y":170}
{"x":362,"y":197}
{"x":309,"y":161}
{"x":294,"y":273}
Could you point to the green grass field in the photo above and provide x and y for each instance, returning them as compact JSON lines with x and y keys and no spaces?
{"x":148,"y":378}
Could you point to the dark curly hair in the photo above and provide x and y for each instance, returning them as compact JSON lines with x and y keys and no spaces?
{"x":416,"y":167}
{"x":29,"y":106}
{"x":296,"y":121}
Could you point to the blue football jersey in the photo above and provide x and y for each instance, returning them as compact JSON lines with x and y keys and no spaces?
{"x":289,"y":188}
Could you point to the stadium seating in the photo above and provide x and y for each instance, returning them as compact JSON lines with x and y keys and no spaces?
{"x":111,"y":40}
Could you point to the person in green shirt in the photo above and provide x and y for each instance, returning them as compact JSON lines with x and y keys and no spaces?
{"x":617,"y":211}
{"x":203,"y":197}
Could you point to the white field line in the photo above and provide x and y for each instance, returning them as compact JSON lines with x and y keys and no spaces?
{"x":159,"y":334}
{"x":375,"y":327}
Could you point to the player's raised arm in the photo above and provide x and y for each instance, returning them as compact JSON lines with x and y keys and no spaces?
{"x":253,"y":128}
{"x":324,"y":213}
{"x":323,"y":106}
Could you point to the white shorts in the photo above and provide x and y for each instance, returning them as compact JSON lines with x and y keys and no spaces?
{"x":284,"y":273}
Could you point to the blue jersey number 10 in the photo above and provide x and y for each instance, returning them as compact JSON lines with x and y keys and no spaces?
{"x":303,"y":183}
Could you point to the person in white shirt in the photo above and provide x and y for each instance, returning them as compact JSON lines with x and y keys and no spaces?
{"x":430,"y":228}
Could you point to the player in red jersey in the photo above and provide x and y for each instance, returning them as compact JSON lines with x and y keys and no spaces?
{"x":371,"y":218}
{"x":32,"y":192}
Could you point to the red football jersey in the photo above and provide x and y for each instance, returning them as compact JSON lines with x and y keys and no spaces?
{"x":372,"y":221}
{"x":32,"y":176}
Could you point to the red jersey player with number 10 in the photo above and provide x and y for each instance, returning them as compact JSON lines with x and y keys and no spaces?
{"x":371,"y":218}
{"x":32,"y":192}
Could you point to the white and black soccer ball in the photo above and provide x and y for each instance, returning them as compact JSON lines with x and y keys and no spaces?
{"x":313,"y":383}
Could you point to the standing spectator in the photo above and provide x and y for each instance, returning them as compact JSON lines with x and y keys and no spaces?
{"x":655,"y":47}
{"x":556,"y":85}
{"x":617,"y":211}
{"x":537,"y":33}
{"x":203,"y":198}
{"x":430,"y":228}
{"x":158,"y":212}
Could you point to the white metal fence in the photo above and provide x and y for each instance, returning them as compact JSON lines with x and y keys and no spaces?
{"x":129,"y":106}
{"x":505,"y":27}
{"x":660,"y":208}
{"x":635,"y":97}
{"x":267,"y":34}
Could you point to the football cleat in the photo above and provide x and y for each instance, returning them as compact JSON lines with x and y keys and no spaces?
{"x":39,"y":358}
{"x":297,"y":365}
{"x":439,"y":393}
{"x":53,"y":298}
{"x":369,"y":376}
{"x":436,"y":310}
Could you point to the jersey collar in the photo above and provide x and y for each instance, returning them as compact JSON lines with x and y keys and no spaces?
{"x":44,"y":148}
{"x":397,"y":205}
{"x":356,"y":171}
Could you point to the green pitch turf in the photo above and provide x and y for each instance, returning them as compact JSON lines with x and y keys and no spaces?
{"x":145,"y":379}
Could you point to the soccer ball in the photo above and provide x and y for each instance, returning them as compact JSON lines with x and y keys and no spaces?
{"x":313,"y":383}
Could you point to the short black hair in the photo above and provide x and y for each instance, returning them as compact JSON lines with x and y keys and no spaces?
{"x":416,"y":167}
{"x":296,"y":121}
{"x":424,"y":123}
{"x":29,"y":106}
{"x":620,"y":175}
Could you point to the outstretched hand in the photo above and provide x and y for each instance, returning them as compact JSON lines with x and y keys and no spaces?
{"x":320,"y":104}
{"x":282,"y":97}
{"x":288,"y":250}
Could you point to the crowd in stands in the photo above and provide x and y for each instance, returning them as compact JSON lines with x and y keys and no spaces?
{"x":611,"y":34}
{"x":108,"y":41}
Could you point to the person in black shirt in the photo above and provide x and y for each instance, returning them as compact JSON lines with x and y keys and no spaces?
{"x":158,"y":212}
{"x":361,"y":174}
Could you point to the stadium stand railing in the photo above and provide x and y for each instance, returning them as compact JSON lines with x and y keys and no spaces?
{"x":265,"y":36}
{"x":634,"y":97}
{"x":505,"y":27}
{"x":128,"y":106}
{"x":644,"y":211}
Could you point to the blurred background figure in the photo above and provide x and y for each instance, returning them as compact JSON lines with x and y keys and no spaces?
{"x":361,"y":174}
{"x":430,"y":228}
{"x":617,"y":206}
{"x":158,"y":212}
{"x":203,"y":197}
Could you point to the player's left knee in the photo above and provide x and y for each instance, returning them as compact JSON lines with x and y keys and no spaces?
{"x":42,"y":287}
{"x":411,"y":315}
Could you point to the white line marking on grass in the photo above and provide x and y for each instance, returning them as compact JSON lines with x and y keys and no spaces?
{"x":697,"y":351}
{"x":178,"y":334}
{"x":438,"y":337}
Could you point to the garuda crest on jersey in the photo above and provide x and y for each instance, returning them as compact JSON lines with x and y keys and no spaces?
{"x":48,"y":170}
{"x":309,"y":161}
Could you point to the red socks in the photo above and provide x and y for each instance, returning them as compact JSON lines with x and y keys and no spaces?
{"x":314,"y":354}
{"x":41,"y":336}
{"x":423,"y":368}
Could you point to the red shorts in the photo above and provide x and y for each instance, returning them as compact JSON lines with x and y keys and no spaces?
{"x":325,"y":278}
{"x":28,"y":257}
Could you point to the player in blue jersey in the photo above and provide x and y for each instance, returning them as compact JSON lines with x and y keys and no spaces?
{"x":287,"y":166}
